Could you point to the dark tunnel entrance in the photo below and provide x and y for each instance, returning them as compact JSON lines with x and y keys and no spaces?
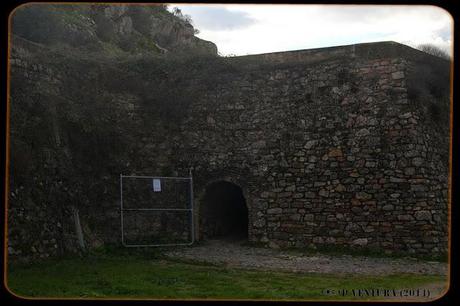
{"x":224,"y":214}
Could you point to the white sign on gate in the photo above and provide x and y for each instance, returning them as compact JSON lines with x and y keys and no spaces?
{"x":156,"y":185}
{"x":186,"y":199}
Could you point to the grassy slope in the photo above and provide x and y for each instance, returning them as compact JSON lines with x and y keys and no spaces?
{"x":142,"y":277}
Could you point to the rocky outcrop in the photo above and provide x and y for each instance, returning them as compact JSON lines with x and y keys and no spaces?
{"x":113,"y":29}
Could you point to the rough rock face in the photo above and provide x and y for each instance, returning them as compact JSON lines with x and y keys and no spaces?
{"x":343,"y":146}
{"x":110,"y":28}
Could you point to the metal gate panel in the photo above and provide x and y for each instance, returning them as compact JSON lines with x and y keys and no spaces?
{"x":188,"y":209}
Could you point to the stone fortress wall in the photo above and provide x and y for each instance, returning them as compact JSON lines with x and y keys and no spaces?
{"x":328,"y":150}
{"x":326,"y":145}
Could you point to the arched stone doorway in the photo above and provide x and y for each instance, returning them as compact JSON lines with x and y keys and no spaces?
{"x":223,"y":212}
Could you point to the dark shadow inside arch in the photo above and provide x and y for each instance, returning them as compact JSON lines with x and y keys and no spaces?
{"x":224,"y":214}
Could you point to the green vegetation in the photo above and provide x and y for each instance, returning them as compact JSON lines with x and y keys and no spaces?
{"x":86,"y":31}
{"x":428,"y":90}
{"x":136,"y":274}
{"x":434,"y":50}
{"x":428,"y":86}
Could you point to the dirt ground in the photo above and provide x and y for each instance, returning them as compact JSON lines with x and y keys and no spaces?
{"x":237,"y":254}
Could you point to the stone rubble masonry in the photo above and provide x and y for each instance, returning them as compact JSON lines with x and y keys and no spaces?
{"x":328,"y":151}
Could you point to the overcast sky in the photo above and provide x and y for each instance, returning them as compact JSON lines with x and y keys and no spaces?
{"x":252,"y":29}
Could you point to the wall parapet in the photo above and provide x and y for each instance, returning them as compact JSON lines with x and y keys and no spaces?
{"x":375,"y":50}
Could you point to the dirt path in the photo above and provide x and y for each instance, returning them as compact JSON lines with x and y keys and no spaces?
{"x":238,"y":255}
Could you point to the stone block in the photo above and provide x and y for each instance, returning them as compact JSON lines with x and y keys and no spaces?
{"x":259,"y":223}
{"x":336,"y":152}
{"x":418,"y":188}
{"x":323,"y":193}
{"x":423,"y":215}
{"x":363,"y":132}
{"x":354,"y":173}
{"x":417,"y":161}
{"x":370,"y":164}
{"x":409,"y":171}
{"x":363,"y":196}
{"x":310,"y":144}
{"x":360,"y":242}
{"x":405,"y":218}
{"x":397,"y":75}
{"x":274,"y":211}
{"x":265,"y":194}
